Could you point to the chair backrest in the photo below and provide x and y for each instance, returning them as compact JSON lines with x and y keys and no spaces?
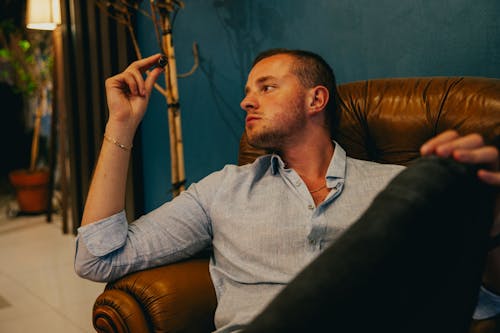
{"x":387,"y":120}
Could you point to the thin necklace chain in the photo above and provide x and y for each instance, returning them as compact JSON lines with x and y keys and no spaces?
{"x":318,"y":189}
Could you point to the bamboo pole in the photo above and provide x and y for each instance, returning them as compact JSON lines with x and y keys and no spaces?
{"x":174,"y":117}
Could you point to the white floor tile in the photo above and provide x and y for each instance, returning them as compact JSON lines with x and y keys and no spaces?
{"x":38,"y":281}
{"x":22,"y":303}
{"x":80,"y":314}
{"x":59,"y":285}
{"x":44,"y":321}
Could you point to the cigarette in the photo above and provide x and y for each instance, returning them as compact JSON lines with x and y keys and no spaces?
{"x":163,"y":61}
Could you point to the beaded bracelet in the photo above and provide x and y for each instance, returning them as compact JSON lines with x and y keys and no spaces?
{"x":113,"y":141}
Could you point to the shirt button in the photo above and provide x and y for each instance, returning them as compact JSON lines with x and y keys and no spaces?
{"x":310,"y":207}
{"x":297,"y":183}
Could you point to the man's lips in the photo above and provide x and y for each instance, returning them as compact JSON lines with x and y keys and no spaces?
{"x":251,"y":119}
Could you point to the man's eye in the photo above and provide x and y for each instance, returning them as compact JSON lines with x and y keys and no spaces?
{"x":267,"y":88}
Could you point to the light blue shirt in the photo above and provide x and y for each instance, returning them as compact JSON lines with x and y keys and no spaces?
{"x":259,"y":218}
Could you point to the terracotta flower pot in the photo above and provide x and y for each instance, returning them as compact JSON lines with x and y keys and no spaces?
{"x":32,"y":190}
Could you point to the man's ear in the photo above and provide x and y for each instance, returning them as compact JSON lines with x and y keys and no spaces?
{"x":317,"y":99}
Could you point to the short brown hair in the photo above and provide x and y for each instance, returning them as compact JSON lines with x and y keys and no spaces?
{"x":311,"y":70}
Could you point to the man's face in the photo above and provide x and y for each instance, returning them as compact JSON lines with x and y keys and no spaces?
{"x":274,"y":102}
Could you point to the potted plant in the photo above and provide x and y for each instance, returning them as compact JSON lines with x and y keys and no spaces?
{"x":25,"y":64}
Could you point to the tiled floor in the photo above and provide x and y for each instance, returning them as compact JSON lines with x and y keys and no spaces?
{"x":39,"y":291}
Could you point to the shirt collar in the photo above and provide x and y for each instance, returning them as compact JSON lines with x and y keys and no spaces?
{"x":276,"y":163}
{"x":336,"y":169}
{"x":337,"y":166}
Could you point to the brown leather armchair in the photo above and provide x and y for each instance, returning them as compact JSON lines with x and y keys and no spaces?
{"x":383,"y":120}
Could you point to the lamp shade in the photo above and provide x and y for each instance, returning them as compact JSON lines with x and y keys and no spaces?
{"x":43,"y":14}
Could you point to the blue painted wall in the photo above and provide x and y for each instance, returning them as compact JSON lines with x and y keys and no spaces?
{"x":361,"y":39}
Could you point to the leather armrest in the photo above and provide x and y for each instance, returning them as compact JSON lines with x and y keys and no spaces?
{"x":174,"y":298}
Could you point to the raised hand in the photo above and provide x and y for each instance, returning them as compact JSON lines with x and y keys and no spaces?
{"x":469,"y":149}
{"x":128,"y":93}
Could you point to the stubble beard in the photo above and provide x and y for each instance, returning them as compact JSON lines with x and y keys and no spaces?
{"x":276,"y":135}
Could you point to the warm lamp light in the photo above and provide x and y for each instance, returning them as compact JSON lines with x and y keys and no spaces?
{"x":43,"y":14}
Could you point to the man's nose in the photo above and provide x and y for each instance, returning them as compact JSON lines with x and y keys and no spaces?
{"x":249,"y":103}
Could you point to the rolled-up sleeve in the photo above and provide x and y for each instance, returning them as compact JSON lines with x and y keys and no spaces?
{"x":110,"y":248}
{"x":97,"y":240}
{"x":105,"y":236}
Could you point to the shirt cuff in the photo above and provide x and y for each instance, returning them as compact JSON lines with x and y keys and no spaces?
{"x":488,"y":305}
{"x":106,"y":235}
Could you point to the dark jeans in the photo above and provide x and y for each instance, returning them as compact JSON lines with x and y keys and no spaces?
{"x":411,"y":263}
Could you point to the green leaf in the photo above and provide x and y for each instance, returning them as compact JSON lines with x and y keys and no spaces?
{"x":5,"y":54}
{"x":24,"y":45}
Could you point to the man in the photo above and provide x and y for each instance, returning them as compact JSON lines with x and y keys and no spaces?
{"x":265,"y":221}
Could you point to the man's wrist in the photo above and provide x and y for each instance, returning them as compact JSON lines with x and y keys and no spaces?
{"x":122,"y":133}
